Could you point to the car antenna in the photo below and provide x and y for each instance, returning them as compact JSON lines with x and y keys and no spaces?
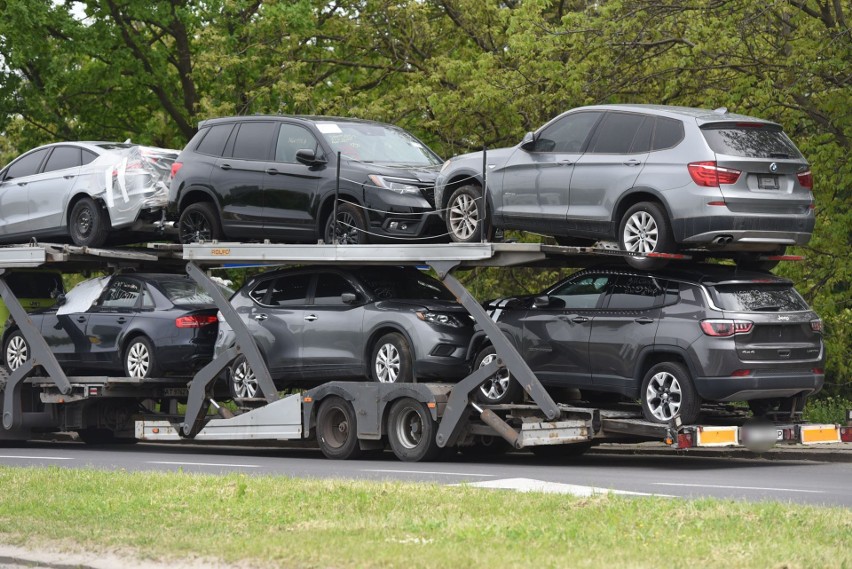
{"x":721,"y":111}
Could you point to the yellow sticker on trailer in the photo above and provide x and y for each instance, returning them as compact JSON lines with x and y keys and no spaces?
{"x":813,"y":434}
{"x":717,"y":436}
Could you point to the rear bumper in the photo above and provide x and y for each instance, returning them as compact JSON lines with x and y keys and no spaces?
{"x":760,"y":385}
{"x":745,"y":229}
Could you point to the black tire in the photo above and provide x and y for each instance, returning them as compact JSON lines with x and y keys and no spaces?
{"x":751,"y":261}
{"x":242,"y":381}
{"x":337,"y":432}
{"x":557,"y":453}
{"x":351,"y":229}
{"x":465,"y":214}
{"x":199,"y":222}
{"x":139,"y":359}
{"x":88,"y":223}
{"x":391,"y":360}
{"x":500,"y":388}
{"x":411,"y":431}
{"x":16,"y":351}
{"x":667,"y":392}
{"x":645,"y":228}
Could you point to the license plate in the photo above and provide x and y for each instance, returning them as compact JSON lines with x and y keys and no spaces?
{"x":767,"y":182}
{"x":176,"y":392}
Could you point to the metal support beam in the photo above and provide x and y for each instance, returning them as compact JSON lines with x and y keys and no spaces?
{"x":198,"y":402}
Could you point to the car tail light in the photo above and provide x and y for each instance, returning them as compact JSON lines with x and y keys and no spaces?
{"x":816,"y":325}
{"x":818,"y":371}
{"x":685,"y":440}
{"x":710,"y":175}
{"x":806,"y":179}
{"x":724,"y":328}
{"x":846,"y":434}
{"x":741,"y":373}
{"x":175,"y":167}
{"x":196,"y":321}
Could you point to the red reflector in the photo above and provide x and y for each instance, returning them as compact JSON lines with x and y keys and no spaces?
{"x":196,"y":321}
{"x":716,"y":203}
{"x":785,"y":258}
{"x":175,"y":167}
{"x":741,"y":373}
{"x":750,"y":125}
{"x":806,"y":179}
{"x":684,"y":440}
{"x":846,"y":434}
{"x":710,"y":175}
{"x":818,"y":371}
{"x":667,"y":255}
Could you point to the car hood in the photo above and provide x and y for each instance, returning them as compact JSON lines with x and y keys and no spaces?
{"x":495,"y":156}
{"x":425,"y":174}
{"x":425,"y":304}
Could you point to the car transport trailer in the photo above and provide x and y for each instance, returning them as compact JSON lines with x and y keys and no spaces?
{"x":418,"y":420}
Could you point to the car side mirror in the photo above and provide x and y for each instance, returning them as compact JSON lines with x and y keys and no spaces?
{"x":349,"y":298}
{"x":60,"y":299}
{"x":528,"y":142}
{"x":308,"y":157}
{"x":542,"y":301}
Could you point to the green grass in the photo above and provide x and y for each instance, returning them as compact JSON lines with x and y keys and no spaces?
{"x":293,"y":523}
{"x":827,"y":410}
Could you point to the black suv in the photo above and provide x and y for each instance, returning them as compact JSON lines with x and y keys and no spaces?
{"x":670,"y":338}
{"x":274,"y":177}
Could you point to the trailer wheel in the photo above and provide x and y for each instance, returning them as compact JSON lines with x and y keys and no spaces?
{"x":411,"y":431}
{"x":336,"y":429}
{"x":16,"y":352}
{"x":242,"y":381}
{"x":645,"y":228}
{"x":667,"y":392}
{"x":88,"y":224}
{"x":499,"y":388}
{"x":391,"y":361}
{"x":139,"y":360}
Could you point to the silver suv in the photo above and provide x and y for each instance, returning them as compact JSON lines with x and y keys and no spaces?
{"x":655,"y":179}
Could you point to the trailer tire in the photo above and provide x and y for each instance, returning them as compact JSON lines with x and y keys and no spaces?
{"x":667,"y":392}
{"x":139,"y":359}
{"x":337,"y":434}
{"x":16,"y":351}
{"x":88,"y":224}
{"x":500,"y":388}
{"x":391,"y":360}
{"x":411,"y":431}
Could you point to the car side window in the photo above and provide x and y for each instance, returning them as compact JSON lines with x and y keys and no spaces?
{"x":88,"y":156}
{"x":63,"y":157}
{"x":147,"y":299}
{"x":667,"y":134}
{"x":568,"y":134}
{"x":121,"y":293}
{"x":631,"y":292}
{"x":258,"y":293}
{"x":616,"y":132}
{"x":214,"y":140}
{"x":330,"y":288}
{"x":292,"y":138}
{"x":254,"y":140}
{"x":26,"y":165}
{"x":582,"y":293}
{"x":291,"y":290}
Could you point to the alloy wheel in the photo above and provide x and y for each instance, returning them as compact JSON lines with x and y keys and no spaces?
{"x":464,"y":216}
{"x":195,"y":228}
{"x":244,"y":380}
{"x":345,"y":229}
{"x":641,"y":233}
{"x":17,"y":352}
{"x":495,"y":387}
{"x":388,"y":363}
{"x":138,"y":360}
{"x":664,"y":396}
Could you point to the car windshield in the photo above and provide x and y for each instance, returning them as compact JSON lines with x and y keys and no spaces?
{"x":368,"y":142}
{"x":752,"y":140}
{"x":402,"y":284}
{"x":758,"y":298}
{"x":183,"y":293}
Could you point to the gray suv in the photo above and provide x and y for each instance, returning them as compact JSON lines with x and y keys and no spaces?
{"x":655,"y":179}
{"x":669,"y":338}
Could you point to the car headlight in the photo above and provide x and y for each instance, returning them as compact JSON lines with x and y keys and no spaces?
{"x":398,"y":185}
{"x":439,"y":318}
{"x":446,"y":165}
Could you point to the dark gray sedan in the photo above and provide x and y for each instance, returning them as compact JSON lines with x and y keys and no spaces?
{"x":314,"y":324}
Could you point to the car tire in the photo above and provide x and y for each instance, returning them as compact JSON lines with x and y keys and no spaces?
{"x":16,"y":351}
{"x":242,"y":381}
{"x":88,"y":223}
{"x":391,"y":360}
{"x":139,"y":359}
{"x":411,"y":431}
{"x":352,"y":228}
{"x":336,"y":429}
{"x":500,"y":388}
{"x":645,"y":228}
{"x":465,"y":214}
{"x":667,"y":392}
{"x":199,"y":222}
{"x":752,"y":262}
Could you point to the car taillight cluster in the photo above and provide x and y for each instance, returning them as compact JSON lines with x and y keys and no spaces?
{"x":710,"y":175}
{"x":806,"y":179}
{"x":816,"y":325}
{"x":196,"y":321}
{"x":724,"y":327}
{"x":175,"y":167}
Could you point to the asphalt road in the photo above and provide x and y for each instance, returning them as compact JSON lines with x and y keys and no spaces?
{"x":751,"y":479}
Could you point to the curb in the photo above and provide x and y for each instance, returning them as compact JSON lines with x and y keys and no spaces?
{"x":823,"y":453}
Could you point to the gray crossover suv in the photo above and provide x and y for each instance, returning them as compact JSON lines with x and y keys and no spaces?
{"x":655,"y":179}
{"x":670,"y":338}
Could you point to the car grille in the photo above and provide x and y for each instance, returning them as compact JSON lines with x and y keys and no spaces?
{"x":429,"y":193}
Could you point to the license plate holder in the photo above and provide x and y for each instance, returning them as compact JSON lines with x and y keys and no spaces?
{"x":767,"y":182}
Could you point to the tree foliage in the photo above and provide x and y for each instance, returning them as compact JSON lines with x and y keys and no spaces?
{"x":461,"y":74}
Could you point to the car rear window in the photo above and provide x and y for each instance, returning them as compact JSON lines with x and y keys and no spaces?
{"x":757,"y":297}
{"x":183,"y":293}
{"x":402,"y":284}
{"x":751,"y":140}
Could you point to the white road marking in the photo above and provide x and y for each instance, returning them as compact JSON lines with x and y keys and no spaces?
{"x":204,"y":464}
{"x":531,"y":485}
{"x":427,"y":472}
{"x":738,"y":487}
{"x":37,"y":457}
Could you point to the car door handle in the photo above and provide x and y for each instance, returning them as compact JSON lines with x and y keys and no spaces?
{"x":225,"y":166}
{"x":565,"y":162}
{"x":632,"y":162}
{"x":22,"y":183}
{"x":579,"y":319}
{"x":121,"y":320}
{"x":69,"y":176}
{"x":260,"y":317}
{"x":311,"y":317}
{"x":644,"y":320}
{"x":271,"y":171}
{"x":81,"y":319}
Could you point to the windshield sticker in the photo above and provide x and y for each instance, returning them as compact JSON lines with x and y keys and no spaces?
{"x":328,"y":128}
